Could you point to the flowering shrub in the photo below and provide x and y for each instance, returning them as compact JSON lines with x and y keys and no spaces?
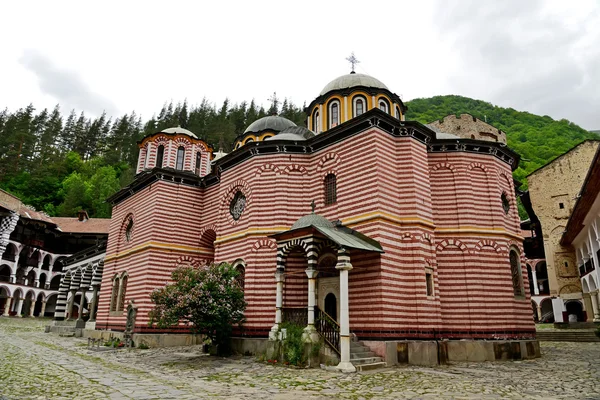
{"x":208,"y":298}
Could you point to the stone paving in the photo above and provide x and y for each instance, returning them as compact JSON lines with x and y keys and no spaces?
{"x":35,"y":365}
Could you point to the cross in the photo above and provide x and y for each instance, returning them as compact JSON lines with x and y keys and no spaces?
{"x":353,"y":60}
{"x":313,"y":206}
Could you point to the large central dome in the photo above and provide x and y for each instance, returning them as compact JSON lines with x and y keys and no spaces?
{"x":351,"y":80}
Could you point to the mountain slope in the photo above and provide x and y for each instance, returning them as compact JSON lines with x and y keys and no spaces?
{"x":538,"y":139}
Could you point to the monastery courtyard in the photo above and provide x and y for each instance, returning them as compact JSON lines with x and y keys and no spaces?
{"x":35,"y":365}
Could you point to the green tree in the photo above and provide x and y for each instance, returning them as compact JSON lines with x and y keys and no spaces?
{"x":208,"y":299}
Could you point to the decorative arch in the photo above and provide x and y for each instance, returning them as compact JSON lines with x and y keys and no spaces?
{"x":585,"y":287}
{"x":443,"y":165}
{"x":127,"y":229}
{"x":268,"y":167}
{"x":334,"y":113}
{"x":327,"y":158}
{"x":295,"y":167}
{"x":451,"y":242}
{"x":356,"y":108}
{"x":186,"y":261}
{"x":488,"y":243}
{"x":6,"y":289}
{"x":285,"y":250}
{"x":477,"y":165}
{"x":271,"y":244}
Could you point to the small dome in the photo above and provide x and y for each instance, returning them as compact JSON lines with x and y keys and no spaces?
{"x":312,"y":220}
{"x":352,"y":80}
{"x":294,"y":133}
{"x":179,"y":130}
{"x":273,"y":122}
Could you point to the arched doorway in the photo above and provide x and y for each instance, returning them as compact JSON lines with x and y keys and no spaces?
{"x":51,"y":305}
{"x":547,"y":311}
{"x":4,"y":295}
{"x":28,"y":304}
{"x":38,"y":305}
{"x":331,"y":305}
{"x":55,"y":283}
{"x":575,"y":308}
{"x":5,"y":273}
{"x":42,"y":281}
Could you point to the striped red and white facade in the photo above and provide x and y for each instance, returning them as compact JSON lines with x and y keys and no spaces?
{"x":443,"y":209}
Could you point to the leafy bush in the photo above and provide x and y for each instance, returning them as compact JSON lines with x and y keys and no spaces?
{"x":293,"y":345}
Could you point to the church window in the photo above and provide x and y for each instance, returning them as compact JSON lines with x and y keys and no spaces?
{"x":114,"y":294}
{"x":129,"y":229}
{"x":383,"y":106}
{"x":515,"y":269}
{"x":198,"y":160}
{"x":561,"y":205}
{"x":429,"y":281}
{"x":316,"y":122}
{"x":330,"y":184}
{"x":237,"y":205}
{"x":398,"y":114}
{"x":505,"y":203}
{"x":359,"y":105}
{"x":122,"y":291}
{"x":240,"y":279}
{"x":160,"y":154}
{"x":334,"y":114}
{"x":180,"y":157}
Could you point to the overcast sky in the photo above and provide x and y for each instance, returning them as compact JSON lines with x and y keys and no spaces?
{"x":119,"y":56}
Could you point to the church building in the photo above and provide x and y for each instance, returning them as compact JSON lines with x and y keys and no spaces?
{"x":382,"y":227}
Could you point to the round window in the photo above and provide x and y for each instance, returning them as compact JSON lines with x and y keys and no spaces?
{"x":237,"y":205}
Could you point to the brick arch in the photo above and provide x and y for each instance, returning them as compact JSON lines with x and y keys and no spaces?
{"x":326,"y":158}
{"x":451,"y":242}
{"x":426,"y":238}
{"x":186,"y":260}
{"x":488,"y":243}
{"x":294,"y":167}
{"x":443,"y":165}
{"x":285,"y":250}
{"x":230,"y":192}
{"x":268,"y":167}
{"x":271,"y":244}
{"x":406,"y":236}
{"x":183,"y":141}
{"x":474,"y":165}
{"x":324,"y":244}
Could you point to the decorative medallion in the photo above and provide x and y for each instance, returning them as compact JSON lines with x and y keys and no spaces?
{"x":237,"y":205}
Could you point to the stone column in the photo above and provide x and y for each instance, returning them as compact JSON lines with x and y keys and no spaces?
{"x":19,"y":307}
{"x":279,"y":279}
{"x":594,"y":297}
{"x":81,"y":303}
{"x":344,"y":266}
{"x":70,"y":304}
{"x":93,"y":303}
{"x":43,"y":310}
{"x":310,"y":333}
{"x":536,"y":290}
{"x":539,"y":311}
{"x":13,"y":277}
{"x":7,"y":306}
{"x":31,"y":308}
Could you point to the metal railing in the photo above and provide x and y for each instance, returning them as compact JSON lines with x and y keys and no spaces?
{"x":296,"y":316}
{"x":328,"y":328}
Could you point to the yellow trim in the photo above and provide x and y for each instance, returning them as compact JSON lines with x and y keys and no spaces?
{"x":265,"y":135}
{"x":378,"y":215}
{"x":157,"y":245}
{"x":251,"y":232}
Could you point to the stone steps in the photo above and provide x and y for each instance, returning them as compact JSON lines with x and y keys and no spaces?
{"x":363,"y":358}
{"x":567,"y":336}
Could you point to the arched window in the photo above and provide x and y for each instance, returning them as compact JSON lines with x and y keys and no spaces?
{"x":198,"y":160}
{"x":515,"y":269}
{"x":115,"y":294}
{"x":129,"y":229}
{"x":160,"y":154}
{"x":180,"y":157}
{"x":398,"y":113}
{"x":122,"y":293}
{"x":316,"y":122}
{"x":240,"y":280}
{"x":359,"y":105}
{"x":505,"y":202}
{"x":330,"y":184}
{"x":384,"y":106}
{"x":334,"y":114}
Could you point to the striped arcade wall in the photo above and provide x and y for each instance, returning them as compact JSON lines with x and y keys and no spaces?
{"x":438,"y":212}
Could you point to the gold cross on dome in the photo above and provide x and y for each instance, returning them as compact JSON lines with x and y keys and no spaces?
{"x":353,"y":60}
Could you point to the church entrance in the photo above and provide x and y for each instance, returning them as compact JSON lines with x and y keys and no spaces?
{"x":331,"y":305}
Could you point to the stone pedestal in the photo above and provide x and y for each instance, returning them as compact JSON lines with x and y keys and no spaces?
{"x":344,"y":266}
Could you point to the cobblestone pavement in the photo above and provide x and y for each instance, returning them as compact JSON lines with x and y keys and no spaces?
{"x":35,"y":365}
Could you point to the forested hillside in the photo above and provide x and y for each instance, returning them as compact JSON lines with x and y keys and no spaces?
{"x":60,"y":164}
{"x":537,"y":139}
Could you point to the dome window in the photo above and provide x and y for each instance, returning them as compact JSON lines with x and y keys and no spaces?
{"x":316,"y":122}
{"x":237,"y":205}
{"x":180,"y":158}
{"x":360,"y":105}
{"x":505,"y":203}
{"x":334,"y":114}
{"x":384,"y":106}
{"x":330,"y":185}
{"x":160,"y":154}
{"x":198,"y":160}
